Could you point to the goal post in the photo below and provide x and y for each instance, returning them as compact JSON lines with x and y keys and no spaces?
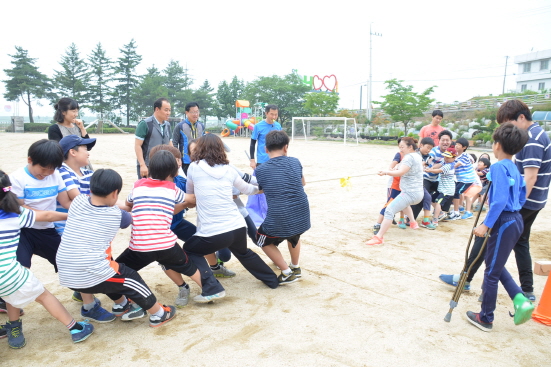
{"x":307,"y":128}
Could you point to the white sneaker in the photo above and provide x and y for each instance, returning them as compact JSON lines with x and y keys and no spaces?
{"x":207,"y":299}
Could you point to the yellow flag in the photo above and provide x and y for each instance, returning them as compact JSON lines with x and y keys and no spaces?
{"x":345,"y":182}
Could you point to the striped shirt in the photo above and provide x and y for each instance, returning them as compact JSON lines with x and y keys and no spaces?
{"x":84,"y":255}
{"x":72,"y":181}
{"x":536,"y":153}
{"x":465,"y":172}
{"x":288,"y":207}
{"x":446,"y":182}
{"x":435,"y":157}
{"x":152,"y":213}
{"x":37,"y":194}
{"x":12,"y":274}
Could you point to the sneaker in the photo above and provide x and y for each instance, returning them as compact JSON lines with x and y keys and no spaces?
{"x":4,"y":308}
{"x":119,"y":310}
{"x":435,"y":222}
{"x":207,"y":299}
{"x":443,"y":216}
{"x":467,"y":215}
{"x":16,"y":339}
{"x":135,"y":313}
{"x":3,"y":332}
{"x":156,"y":321}
{"x":474,"y":318}
{"x":182,"y":298}
{"x":407,"y":221}
{"x":223,"y":272}
{"x":414,"y":225}
{"x":283,"y":279}
{"x":448,"y":279}
{"x":375,"y":240}
{"x":453,"y":216}
{"x":98,"y":314}
{"x":297,"y":272}
{"x":523,"y":309}
{"x":402,"y":223}
{"x":81,"y":335}
{"x":531,"y":296}
{"x":427,"y":225}
{"x":376,"y":228}
{"x":476,"y":207}
{"x":461,"y":209}
{"x":77,"y":297}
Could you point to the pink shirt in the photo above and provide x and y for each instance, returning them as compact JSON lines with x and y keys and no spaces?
{"x":430,"y":131}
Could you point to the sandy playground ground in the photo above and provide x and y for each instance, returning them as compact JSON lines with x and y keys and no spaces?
{"x":355,"y":306}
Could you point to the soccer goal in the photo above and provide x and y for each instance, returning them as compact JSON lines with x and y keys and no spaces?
{"x":327,"y":127}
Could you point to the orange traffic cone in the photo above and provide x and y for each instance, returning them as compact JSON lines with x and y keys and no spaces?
{"x":542,"y":313}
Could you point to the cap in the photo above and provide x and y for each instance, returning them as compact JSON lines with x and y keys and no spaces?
{"x":452,"y":151}
{"x":71,"y":141}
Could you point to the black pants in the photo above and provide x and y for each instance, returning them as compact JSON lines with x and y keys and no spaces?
{"x":431,"y":187}
{"x":126,"y":282}
{"x":173,"y":258}
{"x":41,"y":242}
{"x":185,"y":166}
{"x":197,"y":247}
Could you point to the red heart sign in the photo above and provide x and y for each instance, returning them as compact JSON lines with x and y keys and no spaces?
{"x":330,"y":82}
{"x":317,"y":83}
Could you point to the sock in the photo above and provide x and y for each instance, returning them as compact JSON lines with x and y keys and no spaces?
{"x":456,"y":213}
{"x":426,"y":219}
{"x":185,"y":285}
{"x":73,"y":325}
{"x":292,"y":266}
{"x":215,"y":267}
{"x":456,"y":278}
{"x":123,"y":303}
{"x":89,"y":306}
{"x":159,"y":313}
{"x":287,"y":272}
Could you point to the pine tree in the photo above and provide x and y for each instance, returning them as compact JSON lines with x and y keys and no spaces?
{"x":127,"y":78}
{"x":177,"y":82}
{"x":150,"y":88}
{"x":101,"y":76}
{"x":73,"y":80}
{"x":25,"y":82}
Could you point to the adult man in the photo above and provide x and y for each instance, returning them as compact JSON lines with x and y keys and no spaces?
{"x":187,"y":130}
{"x":433,"y":129}
{"x":259,"y":134}
{"x":154,"y":130}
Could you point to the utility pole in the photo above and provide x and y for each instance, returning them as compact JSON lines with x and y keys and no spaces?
{"x":361,"y":88}
{"x":505,"y":74}
{"x":369,"y":110}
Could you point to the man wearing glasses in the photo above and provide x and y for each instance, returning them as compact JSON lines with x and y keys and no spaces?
{"x":187,"y":130}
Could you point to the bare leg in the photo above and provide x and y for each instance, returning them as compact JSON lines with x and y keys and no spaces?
{"x":87,"y":298}
{"x":427,"y":213}
{"x":156,"y":307}
{"x":407,"y":211}
{"x":456,"y":205}
{"x":380,"y":218}
{"x":13,"y":313}
{"x":211,"y":259}
{"x":179,"y":280}
{"x":468,"y":204}
{"x":295,"y":252}
{"x":54,"y":307}
{"x":384,"y":227}
{"x":275,"y":255}
{"x":437,"y":210}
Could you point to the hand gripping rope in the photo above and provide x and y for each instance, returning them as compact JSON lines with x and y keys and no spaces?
{"x":465,"y":272}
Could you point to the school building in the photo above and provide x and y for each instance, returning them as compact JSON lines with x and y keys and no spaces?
{"x":534,"y":71}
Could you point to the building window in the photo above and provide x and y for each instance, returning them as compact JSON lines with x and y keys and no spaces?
{"x":541,"y":86}
{"x":544,"y":65}
{"x":523,"y":87}
{"x":527,"y":67}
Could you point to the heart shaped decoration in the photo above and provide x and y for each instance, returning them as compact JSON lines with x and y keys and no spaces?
{"x":317,"y":83}
{"x":330,"y":82}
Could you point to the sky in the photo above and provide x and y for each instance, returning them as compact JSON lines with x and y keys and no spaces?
{"x":459,"y":47}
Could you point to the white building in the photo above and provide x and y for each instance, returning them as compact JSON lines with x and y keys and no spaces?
{"x":534,"y":72}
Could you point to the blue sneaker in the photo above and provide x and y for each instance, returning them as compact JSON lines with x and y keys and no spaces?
{"x":467,"y":215}
{"x":81,"y":335}
{"x":16,"y":339}
{"x":461,"y":209}
{"x":448,"y":279}
{"x":402,"y":223}
{"x":98,"y":314}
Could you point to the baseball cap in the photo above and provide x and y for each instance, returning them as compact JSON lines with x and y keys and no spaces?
{"x":71,"y":141}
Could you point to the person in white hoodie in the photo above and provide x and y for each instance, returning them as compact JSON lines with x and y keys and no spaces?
{"x":219,"y":223}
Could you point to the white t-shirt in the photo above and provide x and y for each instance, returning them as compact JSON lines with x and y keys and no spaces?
{"x":37,"y":194}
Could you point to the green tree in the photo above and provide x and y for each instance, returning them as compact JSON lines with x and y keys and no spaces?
{"x":286,"y":92}
{"x":403,"y":104}
{"x":205,"y":98}
{"x":25,"y":82}
{"x":127,"y":78}
{"x":74,"y":78}
{"x":178,"y":83}
{"x":320,"y":103}
{"x":151,"y":87}
{"x":226,"y":96}
{"x":101,"y":76}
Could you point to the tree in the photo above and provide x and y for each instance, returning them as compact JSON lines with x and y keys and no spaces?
{"x":286,"y":92}
{"x":74,"y":78}
{"x":204,"y":97}
{"x":150,"y":88}
{"x":101,"y":75}
{"x":403,"y":104}
{"x":226,"y":96}
{"x":320,"y":103}
{"x":127,"y":78}
{"x":25,"y":82}
{"x":177,"y":82}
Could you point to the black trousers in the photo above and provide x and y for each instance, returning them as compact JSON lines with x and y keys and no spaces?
{"x":236,"y":241}
{"x":431,"y":187}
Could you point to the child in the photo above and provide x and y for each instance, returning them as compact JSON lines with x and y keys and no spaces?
{"x":18,"y":286}
{"x":411,"y":186}
{"x":482,"y":171}
{"x":446,"y":185}
{"x":288,"y":215}
{"x":84,"y":256}
{"x":506,"y":196}
{"x":424,"y":149}
{"x":465,"y":176}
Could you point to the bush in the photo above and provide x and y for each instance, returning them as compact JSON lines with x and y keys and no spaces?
{"x":111,"y":130}
{"x":35,"y":127}
{"x":216,"y":129}
{"x":489,"y":114}
{"x":483,"y":136}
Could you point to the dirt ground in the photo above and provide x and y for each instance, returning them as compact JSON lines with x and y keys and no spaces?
{"x":355,"y":306}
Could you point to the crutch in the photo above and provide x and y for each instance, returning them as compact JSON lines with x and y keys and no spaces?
{"x":465,"y":272}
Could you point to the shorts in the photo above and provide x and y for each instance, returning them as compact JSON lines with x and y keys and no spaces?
{"x":263,"y":239}
{"x":460,"y":188}
{"x":173,"y":258}
{"x":29,"y":292}
{"x":41,"y":242}
{"x":445,"y":201}
{"x":484,"y":189}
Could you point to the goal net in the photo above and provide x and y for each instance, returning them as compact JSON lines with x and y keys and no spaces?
{"x":324,"y":127}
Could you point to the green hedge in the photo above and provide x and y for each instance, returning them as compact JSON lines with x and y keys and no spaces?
{"x":112,"y":130}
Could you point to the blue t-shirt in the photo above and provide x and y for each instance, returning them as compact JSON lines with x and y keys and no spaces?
{"x":536,"y":153}
{"x":508,"y":190}
{"x":178,"y":218}
{"x":288,"y":208}
{"x":435,"y":157}
{"x":465,"y":172}
{"x":259,"y":134}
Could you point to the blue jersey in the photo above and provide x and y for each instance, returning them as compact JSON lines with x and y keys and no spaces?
{"x":259,"y":134}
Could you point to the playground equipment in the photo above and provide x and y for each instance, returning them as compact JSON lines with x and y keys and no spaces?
{"x":100,"y":123}
{"x":244,"y":120}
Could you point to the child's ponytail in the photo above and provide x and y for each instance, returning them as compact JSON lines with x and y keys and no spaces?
{"x":8,"y":200}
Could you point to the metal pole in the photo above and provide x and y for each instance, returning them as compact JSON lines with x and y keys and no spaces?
{"x":505,"y":74}
{"x":370,"y":72}
{"x":361,"y":88}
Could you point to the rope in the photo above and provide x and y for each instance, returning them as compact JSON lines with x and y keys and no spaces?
{"x":332,"y":179}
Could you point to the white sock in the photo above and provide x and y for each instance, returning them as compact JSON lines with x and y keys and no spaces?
{"x":456,"y":278}
{"x":457,"y":213}
{"x":159,"y":313}
{"x":123,"y":303}
{"x":293,"y":266}
{"x":287,"y":272}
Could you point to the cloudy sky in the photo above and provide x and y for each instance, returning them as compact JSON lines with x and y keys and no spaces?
{"x":458,"y":46}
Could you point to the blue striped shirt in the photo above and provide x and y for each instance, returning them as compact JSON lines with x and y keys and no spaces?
{"x":536,"y":153}
{"x":72,"y":181}
{"x":465,"y":172}
{"x":435,"y":157}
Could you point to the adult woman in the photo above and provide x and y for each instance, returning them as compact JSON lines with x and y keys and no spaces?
{"x":66,"y":112}
{"x":411,"y":184}
{"x":219,"y":223}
